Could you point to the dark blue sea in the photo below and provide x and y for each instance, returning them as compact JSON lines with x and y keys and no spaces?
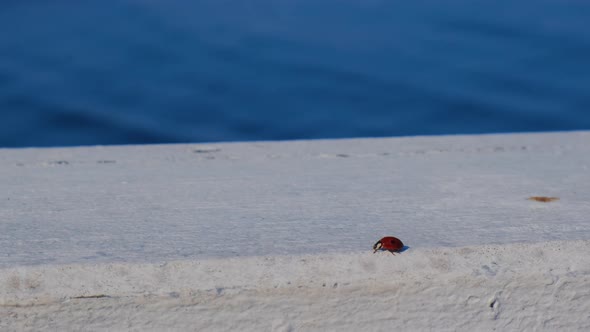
{"x":81,"y":72}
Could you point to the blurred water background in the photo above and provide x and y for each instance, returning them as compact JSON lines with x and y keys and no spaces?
{"x":81,"y":72}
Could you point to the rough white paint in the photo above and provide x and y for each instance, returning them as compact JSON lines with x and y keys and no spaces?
{"x":543,"y":286}
{"x":278,"y":235}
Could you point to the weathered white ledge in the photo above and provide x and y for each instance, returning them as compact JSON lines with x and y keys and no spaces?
{"x":278,"y":235}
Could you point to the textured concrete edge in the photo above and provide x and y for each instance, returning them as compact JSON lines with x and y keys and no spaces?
{"x":41,"y":285}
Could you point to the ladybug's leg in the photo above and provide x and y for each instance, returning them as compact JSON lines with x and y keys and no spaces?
{"x":391,"y":251}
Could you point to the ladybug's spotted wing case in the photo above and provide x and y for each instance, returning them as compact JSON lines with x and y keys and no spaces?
{"x":389,"y":243}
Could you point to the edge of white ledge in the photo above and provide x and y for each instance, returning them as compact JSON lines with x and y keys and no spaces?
{"x":47,"y":284}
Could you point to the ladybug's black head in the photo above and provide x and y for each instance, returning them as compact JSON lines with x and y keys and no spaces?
{"x":377,"y":246}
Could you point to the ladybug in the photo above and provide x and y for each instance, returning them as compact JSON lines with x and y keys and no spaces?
{"x":389,"y":243}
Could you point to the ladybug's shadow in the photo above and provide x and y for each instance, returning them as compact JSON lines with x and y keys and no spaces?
{"x":403,"y":249}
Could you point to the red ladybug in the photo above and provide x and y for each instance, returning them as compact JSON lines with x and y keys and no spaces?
{"x":389,"y":243}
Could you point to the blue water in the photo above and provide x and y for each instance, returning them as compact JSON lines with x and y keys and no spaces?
{"x":79,"y":72}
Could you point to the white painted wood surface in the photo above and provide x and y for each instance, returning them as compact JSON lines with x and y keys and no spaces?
{"x":159,"y":203}
{"x":176,"y":231}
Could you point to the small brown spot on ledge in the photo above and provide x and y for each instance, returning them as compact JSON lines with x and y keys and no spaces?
{"x":543,"y":199}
